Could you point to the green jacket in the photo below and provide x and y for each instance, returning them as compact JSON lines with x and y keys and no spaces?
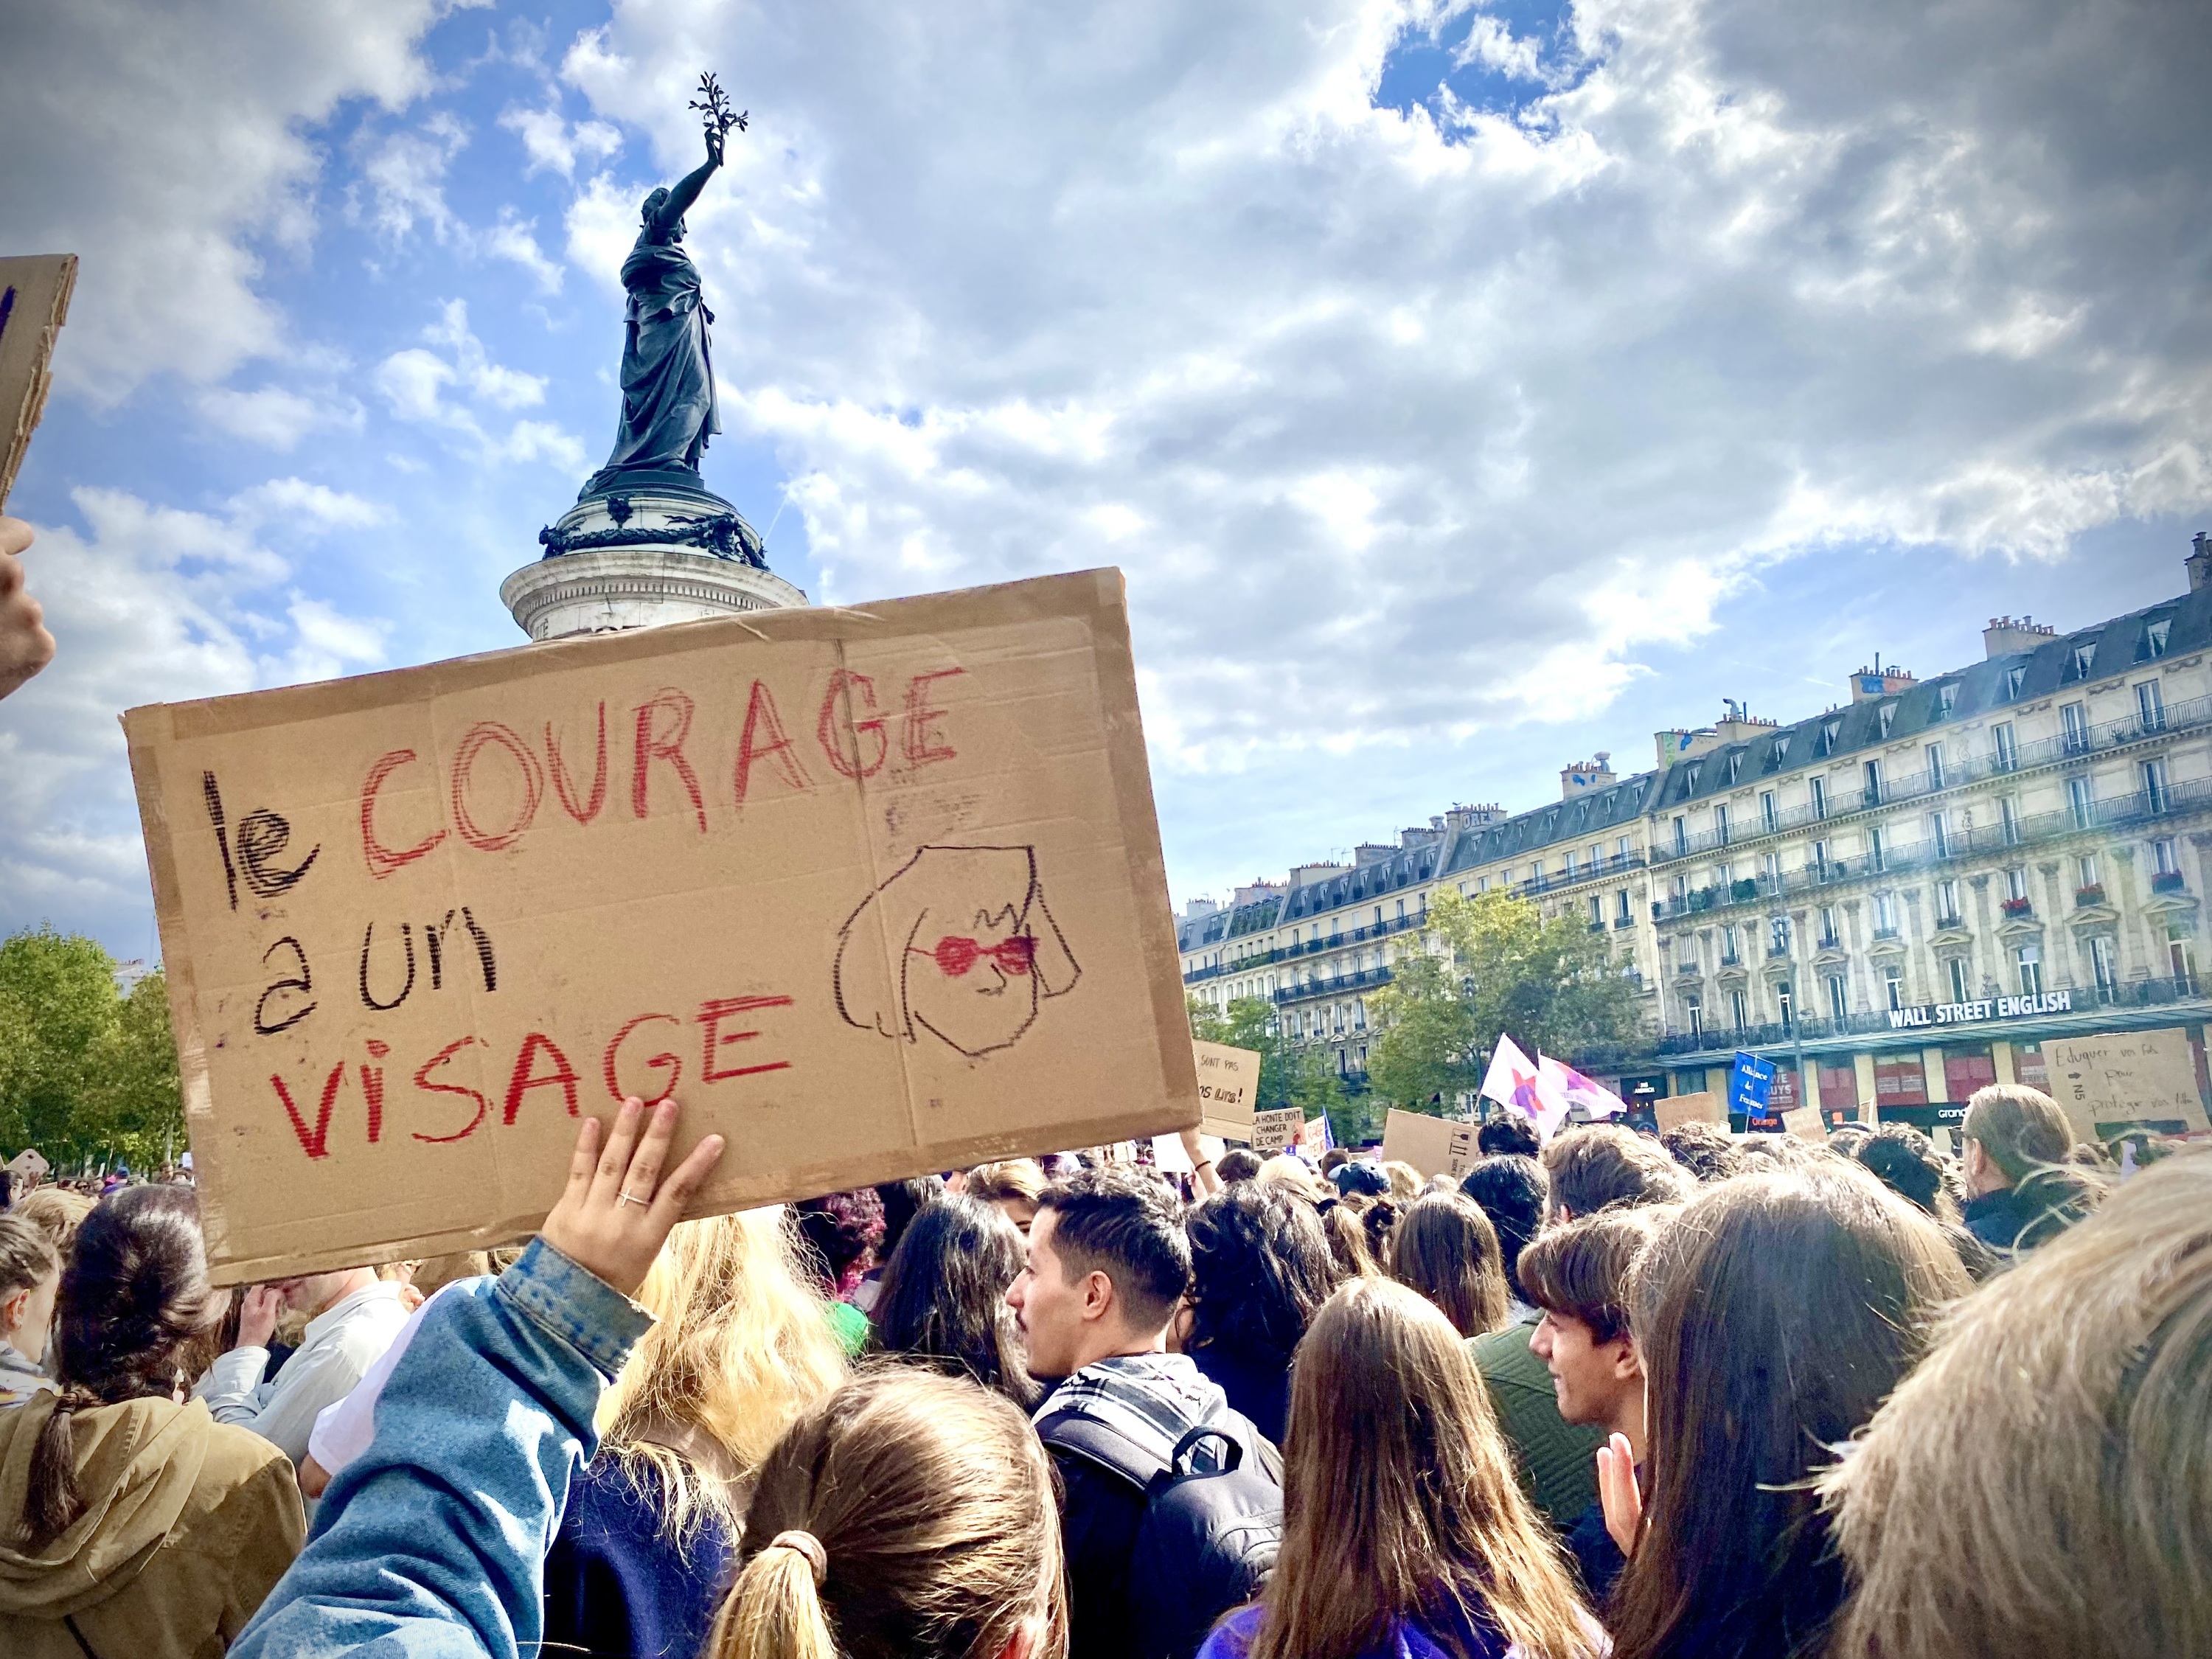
{"x":1557,"y":1461}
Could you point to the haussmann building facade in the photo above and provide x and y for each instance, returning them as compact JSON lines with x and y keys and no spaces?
{"x":1898,"y":900}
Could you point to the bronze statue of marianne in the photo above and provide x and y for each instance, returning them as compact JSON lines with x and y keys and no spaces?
{"x":668,"y":410}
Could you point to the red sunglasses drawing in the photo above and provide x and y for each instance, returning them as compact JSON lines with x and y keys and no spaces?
{"x":958,"y":943}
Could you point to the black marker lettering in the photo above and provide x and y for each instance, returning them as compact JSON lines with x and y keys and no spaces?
{"x":261,"y":838}
{"x":483,"y":949}
{"x":407,"y":939}
{"x":304,"y":984}
{"x":221,"y":837}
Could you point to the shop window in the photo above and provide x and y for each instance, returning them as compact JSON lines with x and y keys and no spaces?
{"x":1839,"y":1090}
{"x":1966,"y":1070}
{"x":2028,"y":1067}
{"x":1901,"y":1082}
{"x":1783,"y":1098}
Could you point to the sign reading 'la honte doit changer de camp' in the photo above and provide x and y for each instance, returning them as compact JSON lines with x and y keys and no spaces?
{"x":871,"y":892}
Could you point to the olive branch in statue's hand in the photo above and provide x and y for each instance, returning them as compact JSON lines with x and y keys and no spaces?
{"x":714,"y":109}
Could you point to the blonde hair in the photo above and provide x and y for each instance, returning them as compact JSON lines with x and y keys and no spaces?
{"x":1404,"y":1181}
{"x":1398,"y":1494}
{"x":742,"y":1346}
{"x":2037,"y":1486}
{"x":1018,"y":1180}
{"x":56,"y":1212}
{"x":910,"y":1515}
{"x":1283,"y":1170}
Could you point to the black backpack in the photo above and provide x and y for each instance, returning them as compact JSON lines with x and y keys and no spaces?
{"x":1209,"y":1537}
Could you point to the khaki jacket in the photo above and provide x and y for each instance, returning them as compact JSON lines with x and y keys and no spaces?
{"x":189,"y":1524}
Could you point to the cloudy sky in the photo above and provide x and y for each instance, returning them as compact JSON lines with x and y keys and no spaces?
{"x":1463,"y":387}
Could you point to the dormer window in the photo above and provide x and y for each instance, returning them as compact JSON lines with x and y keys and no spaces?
{"x":1781,"y":751}
{"x":1885,"y":716}
{"x":2155,"y":636}
{"x":1829,"y":733}
{"x":1734,"y":766}
{"x":2013,"y":679}
{"x":2084,"y":656}
{"x":1691,"y":786}
{"x":1946,"y":699}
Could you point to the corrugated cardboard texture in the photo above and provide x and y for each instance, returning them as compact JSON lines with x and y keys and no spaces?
{"x":34,"y":296}
{"x":1703,"y":1107}
{"x":2128,"y":1076}
{"x":871,"y":891}
{"x":1432,"y":1144}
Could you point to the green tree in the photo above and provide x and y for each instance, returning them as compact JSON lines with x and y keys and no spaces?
{"x":84,"y":1072}
{"x":1488,"y":967}
{"x":1288,"y":1076}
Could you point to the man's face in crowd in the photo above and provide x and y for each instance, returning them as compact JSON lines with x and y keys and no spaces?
{"x":1048,"y":1309}
{"x":1590,"y":1378}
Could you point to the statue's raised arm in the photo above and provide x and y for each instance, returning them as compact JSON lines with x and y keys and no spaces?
{"x":669,"y":409}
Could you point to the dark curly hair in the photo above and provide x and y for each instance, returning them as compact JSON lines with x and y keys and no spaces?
{"x":944,"y":1296}
{"x":838,"y":1230}
{"x":1512,"y":1191}
{"x":133,"y":1294}
{"x":1705,"y":1149}
{"x":1260,"y":1269}
{"x":1906,"y":1161}
{"x":1509,"y":1135}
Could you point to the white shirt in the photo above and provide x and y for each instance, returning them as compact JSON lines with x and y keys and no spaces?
{"x":342,"y":1342}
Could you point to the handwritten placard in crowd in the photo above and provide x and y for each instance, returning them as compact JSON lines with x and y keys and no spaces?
{"x":2128,"y":1076}
{"x":1275,"y":1131}
{"x":1433,"y":1146}
{"x":1703,"y":1107}
{"x":871,"y":891}
{"x":1228,"y":1084}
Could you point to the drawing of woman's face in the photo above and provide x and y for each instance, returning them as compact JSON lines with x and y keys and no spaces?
{"x":974,"y":984}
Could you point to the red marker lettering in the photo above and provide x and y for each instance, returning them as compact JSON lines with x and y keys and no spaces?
{"x":478,"y":736}
{"x":315,"y":1142}
{"x":564,"y":1077}
{"x":382,"y":860}
{"x":760,"y":720}
{"x":712,"y":1014}
{"x":585,"y":813}
{"x":844,"y":752}
{"x":660,"y":1062}
{"x":422,"y":1081}
{"x":668,"y":746}
{"x":921,"y":718}
{"x":372,"y":1085}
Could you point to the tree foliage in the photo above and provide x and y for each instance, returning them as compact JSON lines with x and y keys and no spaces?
{"x":1487,"y":966}
{"x":85,"y":1072}
{"x":1289,"y":1076}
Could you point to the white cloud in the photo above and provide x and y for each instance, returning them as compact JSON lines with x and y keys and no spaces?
{"x":555,"y":145}
{"x":162,"y":142}
{"x":275,"y":416}
{"x":515,"y":238}
{"x":154,"y":603}
{"x":1429,"y":415}
{"x":414,"y":383}
{"x":406,"y":174}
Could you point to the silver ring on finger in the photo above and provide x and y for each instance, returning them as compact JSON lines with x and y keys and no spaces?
{"x":626,"y":1196}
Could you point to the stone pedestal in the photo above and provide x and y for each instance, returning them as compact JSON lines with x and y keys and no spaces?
{"x":662,"y":550}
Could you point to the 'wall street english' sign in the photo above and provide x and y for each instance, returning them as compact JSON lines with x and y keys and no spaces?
{"x":1975,"y":1013}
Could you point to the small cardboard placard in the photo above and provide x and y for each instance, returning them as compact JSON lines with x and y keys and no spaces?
{"x":30,"y":1165}
{"x":1432,"y":1144}
{"x":34,"y":296}
{"x":1228,"y":1084}
{"x":1703,"y":1107}
{"x":871,"y":891}
{"x":2129,"y":1076}
{"x":1804,"y":1122}
{"x":1276,"y":1131}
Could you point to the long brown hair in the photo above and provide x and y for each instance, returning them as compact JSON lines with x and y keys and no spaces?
{"x":2037,"y":1486}
{"x":1399,"y":1496}
{"x":1774,"y":1315}
{"x":910,"y":1515}
{"x":1446,"y":1249}
{"x":134,"y":1295}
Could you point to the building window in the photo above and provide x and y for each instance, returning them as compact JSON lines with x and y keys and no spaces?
{"x":1620,"y":847}
{"x":1816,"y":790}
{"x":1877,"y":848}
{"x":2008,"y":817}
{"x":1829,"y":936}
{"x":1820,"y":860}
{"x":1620,"y":907}
{"x":2163,"y":860}
{"x":1569,"y":872}
{"x":2153,"y":786}
{"x":2084,"y":870}
{"x":1597,"y":910}
{"x":1892,"y":988}
{"x":2079,"y":801}
{"x":1778,"y":936}
{"x":2084,"y":656}
{"x":1959,"y":990}
{"x":2029,"y":960}
{"x":1771,"y":867}
{"x":1939,"y":835}
{"x":1884,"y":913}
{"x":2013,"y":679}
{"x":1839,"y":1005}
{"x":1873,"y":790}
{"x":1681,"y":836}
{"x":1730,"y":955}
{"x":1884,"y":717}
{"x":2103,"y":964}
{"x":2016,"y":883}
{"x":2004,"y":748}
{"x":1786,"y":1005}
{"x":1946,"y":904}
{"x":2181,"y":960}
{"x":1694,"y":1009}
{"x":1734,"y":765}
{"x":1946,"y":699}
{"x":1829,"y":733}
{"x":1689,"y":951}
{"x":2150,"y":706}
{"x":1934,"y":752}
{"x":2074,"y":727}
{"x":1482,"y":883}
{"x":1781,"y":753}
{"x":1401,"y":909}
{"x":1720,"y":823}
{"x":1740,"y":1011}
{"x":1767,"y":814}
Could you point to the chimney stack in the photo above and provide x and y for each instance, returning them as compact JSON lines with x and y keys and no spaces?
{"x":2004,"y":636}
{"x":2199,"y":564}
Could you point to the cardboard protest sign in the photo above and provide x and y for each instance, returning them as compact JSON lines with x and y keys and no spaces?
{"x":1227,"y":1084}
{"x":1703,"y":1107}
{"x":34,"y":296}
{"x":1805,"y":1122}
{"x":2132,"y":1077}
{"x":30,"y":1165}
{"x":1430,"y":1145}
{"x":871,"y":891}
{"x":1274,"y":1132}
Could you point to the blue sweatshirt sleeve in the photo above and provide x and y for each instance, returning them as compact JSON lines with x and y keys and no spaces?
{"x":432,"y":1543}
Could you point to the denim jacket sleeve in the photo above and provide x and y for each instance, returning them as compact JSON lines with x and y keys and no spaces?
{"x":432,"y":1541}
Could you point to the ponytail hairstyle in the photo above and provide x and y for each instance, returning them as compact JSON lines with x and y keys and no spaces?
{"x":912,"y":1515}
{"x":133,"y":1294}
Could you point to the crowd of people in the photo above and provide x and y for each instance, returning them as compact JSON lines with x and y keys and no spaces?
{"x":1697,"y":1395}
